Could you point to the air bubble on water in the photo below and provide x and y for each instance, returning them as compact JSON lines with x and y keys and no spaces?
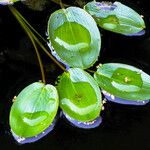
{"x":21,"y":139}
{"x":112,"y":97}
{"x":106,"y":93}
{"x":104,"y":101}
{"x":47,"y":35}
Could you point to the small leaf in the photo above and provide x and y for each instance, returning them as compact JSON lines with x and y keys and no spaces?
{"x":124,"y":81}
{"x":34,"y":110}
{"x":80,"y":96}
{"x":74,"y":36}
{"x":115,"y":17}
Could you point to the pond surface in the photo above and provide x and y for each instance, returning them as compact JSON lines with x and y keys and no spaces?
{"x":123,"y":127}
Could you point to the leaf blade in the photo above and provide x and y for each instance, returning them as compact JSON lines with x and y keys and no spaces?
{"x":115,"y":17}
{"x":80,"y":97}
{"x":78,"y":42}
{"x":34,"y":109}
{"x":132,"y":85}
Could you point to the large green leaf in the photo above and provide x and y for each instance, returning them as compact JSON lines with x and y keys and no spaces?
{"x":74,"y":36}
{"x":124,"y":81}
{"x":80,"y":96}
{"x":34,"y":109}
{"x":115,"y":17}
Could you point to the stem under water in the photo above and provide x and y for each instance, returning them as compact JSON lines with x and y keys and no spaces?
{"x":39,"y":58}
{"x":62,"y":5}
{"x":29,"y":30}
{"x":48,"y":54}
{"x":91,"y":71}
{"x":26,"y":22}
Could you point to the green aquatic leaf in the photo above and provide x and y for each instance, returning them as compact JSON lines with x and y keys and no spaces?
{"x":74,"y":36}
{"x":123,"y":81}
{"x":80,"y":96}
{"x":115,"y":17}
{"x":34,"y":109}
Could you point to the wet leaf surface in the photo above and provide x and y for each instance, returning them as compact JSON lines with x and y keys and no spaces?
{"x":124,"y":81}
{"x":115,"y":17}
{"x":34,"y":110}
{"x":73,"y":34}
{"x":80,"y":97}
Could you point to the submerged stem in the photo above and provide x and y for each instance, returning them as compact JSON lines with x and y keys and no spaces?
{"x":27,"y":23}
{"x":91,"y":71}
{"x":46,"y":51}
{"x":28,"y":28}
{"x":62,"y":5}
{"x":39,"y":58}
{"x":28,"y":31}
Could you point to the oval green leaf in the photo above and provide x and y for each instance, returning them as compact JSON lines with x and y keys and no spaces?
{"x":74,"y":36}
{"x":80,"y":96}
{"x":115,"y":17}
{"x":124,"y":81}
{"x":34,"y":109}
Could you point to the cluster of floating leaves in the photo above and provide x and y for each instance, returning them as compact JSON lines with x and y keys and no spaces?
{"x":75,"y":39}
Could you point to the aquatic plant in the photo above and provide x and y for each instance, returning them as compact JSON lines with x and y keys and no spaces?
{"x":75,"y":41}
{"x":115,"y":17}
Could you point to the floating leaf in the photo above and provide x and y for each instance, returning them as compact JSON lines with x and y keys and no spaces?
{"x":124,"y":81}
{"x":74,"y":36}
{"x":33,"y":110}
{"x":115,"y":17}
{"x":22,"y":140}
{"x":80,"y":96}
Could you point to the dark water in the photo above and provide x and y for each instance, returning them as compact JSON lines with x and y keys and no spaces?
{"x":123,"y":127}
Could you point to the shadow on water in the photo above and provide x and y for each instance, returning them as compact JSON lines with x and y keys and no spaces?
{"x":123,"y":127}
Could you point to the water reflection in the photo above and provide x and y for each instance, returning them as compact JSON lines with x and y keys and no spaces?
{"x":141,"y":33}
{"x":53,"y":52}
{"x":83,"y":125}
{"x":22,"y":140}
{"x":118,"y":100}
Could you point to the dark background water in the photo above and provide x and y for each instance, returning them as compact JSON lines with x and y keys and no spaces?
{"x":123,"y":127}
